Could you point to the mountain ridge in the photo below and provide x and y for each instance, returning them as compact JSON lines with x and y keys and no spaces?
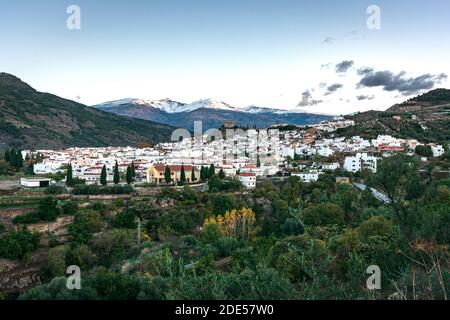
{"x":211,"y":112}
{"x":32,"y":119}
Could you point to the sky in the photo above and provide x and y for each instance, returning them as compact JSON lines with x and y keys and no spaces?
{"x":323,"y":56}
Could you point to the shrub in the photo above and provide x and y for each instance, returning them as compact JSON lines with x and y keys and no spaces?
{"x":16,"y":244}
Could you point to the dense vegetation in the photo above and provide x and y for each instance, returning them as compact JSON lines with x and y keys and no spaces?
{"x":283,"y":240}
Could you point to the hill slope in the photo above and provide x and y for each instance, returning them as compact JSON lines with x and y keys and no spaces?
{"x":32,"y":119}
{"x":212,"y":113}
{"x":425,"y":117}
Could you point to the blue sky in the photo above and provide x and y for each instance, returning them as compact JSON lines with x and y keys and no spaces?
{"x":280,"y":54}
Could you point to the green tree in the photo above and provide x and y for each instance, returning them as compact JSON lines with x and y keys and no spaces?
{"x":323,"y":214}
{"x":167,"y":175}
{"x":215,"y":184}
{"x":103,"y":176}
{"x":211,"y":171}
{"x":203,"y":174}
{"x":133,"y":170}
{"x":47,"y":210}
{"x":221,"y":174}
{"x":193,"y":177}
{"x":69,"y":176}
{"x":223,"y":203}
{"x":6,"y":155}
{"x":129,"y":175}
{"x":17,"y":244}
{"x":424,"y":151}
{"x":19,"y":160}
{"x":182,"y":181}
{"x":116,"y":177}
{"x":258,"y":161}
{"x":393,"y":178}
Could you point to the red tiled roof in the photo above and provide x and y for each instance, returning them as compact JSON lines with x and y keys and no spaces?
{"x":247,"y":175}
{"x":174,"y":168}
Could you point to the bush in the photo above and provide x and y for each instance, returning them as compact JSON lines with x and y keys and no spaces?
{"x":16,"y":244}
{"x":323,"y":214}
{"x":54,"y":189}
{"x":47,"y":210}
{"x":97,"y":190}
{"x":125,"y":220}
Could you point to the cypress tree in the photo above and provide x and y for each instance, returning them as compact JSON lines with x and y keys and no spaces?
{"x":69,"y":175}
{"x":116,"y":177}
{"x":19,"y":160}
{"x":103,"y":176}
{"x":193,"y":175}
{"x":258,"y":161}
{"x":133,"y":169}
{"x":6,"y":156}
{"x":167,"y":175}
{"x":13,"y":158}
{"x":182,"y":176}
{"x":202,"y":174}
{"x":129,"y":175}
{"x":221,"y":174}
{"x":211,"y":171}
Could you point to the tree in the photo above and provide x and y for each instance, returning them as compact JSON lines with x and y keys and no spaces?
{"x":116,"y":177}
{"x":211,"y":171}
{"x":215,"y":184}
{"x":103,"y":176}
{"x":19,"y":160}
{"x":393,"y":177}
{"x":133,"y":169}
{"x":258,"y":161}
{"x":203,"y":174}
{"x":17,"y":244}
{"x":167,"y":175}
{"x":193,"y":178}
{"x":323,"y":214}
{"x":6,"y":156}
{"x":47,"y":210}
{"x":221,"y":174}
{"x":69,"y":176}
{"x":129,"y":175}
{"x":182,"y":176}
{"x":424,"y":151}
{"x":29,"y":171}
{"x":12,"y":157}
{"x":223,"y":203}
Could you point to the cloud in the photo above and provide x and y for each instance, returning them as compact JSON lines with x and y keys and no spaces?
{"x":365,"y":97}
{"x":307,"y":100}
{"x":329,"y":40}
{"x":344,"y":66}
{"x":398,"y":82}
{"x":333,"y":88}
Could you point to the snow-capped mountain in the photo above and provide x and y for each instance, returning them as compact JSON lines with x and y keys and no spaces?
{"x":211,"y":112}
{"x":170,"y":106}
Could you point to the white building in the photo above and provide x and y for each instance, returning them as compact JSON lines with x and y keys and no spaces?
{"x":248,"y":180}
{"x":308,"y":177}
{"x":437,"y":150}
{"x":35,"y":182}
{"x":359,"y":162}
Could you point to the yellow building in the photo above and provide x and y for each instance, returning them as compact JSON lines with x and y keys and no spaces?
{"x":155,"y":174}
